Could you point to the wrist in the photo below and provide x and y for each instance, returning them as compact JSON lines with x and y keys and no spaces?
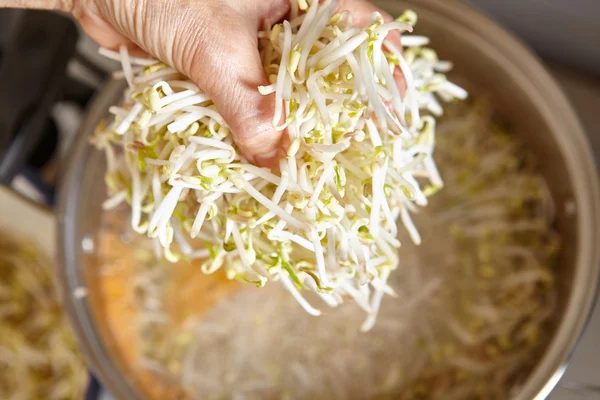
{"x":58,"y":5}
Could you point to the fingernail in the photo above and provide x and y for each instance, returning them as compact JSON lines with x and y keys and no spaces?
{"x":270,"y":159}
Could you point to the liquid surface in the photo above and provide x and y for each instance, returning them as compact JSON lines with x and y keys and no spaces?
{"x":185,"y":296}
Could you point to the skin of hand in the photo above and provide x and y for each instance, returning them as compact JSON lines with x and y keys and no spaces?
{"x":213,"y":42}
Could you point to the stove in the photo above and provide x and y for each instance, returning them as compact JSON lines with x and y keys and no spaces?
{"x":49,"y":72}
{"x":47,"y":81}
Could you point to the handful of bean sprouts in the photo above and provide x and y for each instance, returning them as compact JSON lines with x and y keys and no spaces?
{"x":360,"y":158}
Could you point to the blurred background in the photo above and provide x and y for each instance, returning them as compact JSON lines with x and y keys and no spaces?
{"x":42,"y":103}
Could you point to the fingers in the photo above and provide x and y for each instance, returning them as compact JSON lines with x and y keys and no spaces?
{"x":248,"y":113}
{"x":232,"y":71}
{"x":361,"y":12}
{"x":227,"y":65}
{"x":265,"y":11}
{"x":214,"y":42}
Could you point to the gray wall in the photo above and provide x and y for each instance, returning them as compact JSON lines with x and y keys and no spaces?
{"x":565,"y":31}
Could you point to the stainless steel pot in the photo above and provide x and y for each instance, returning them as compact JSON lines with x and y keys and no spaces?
{"x":490,"y":59}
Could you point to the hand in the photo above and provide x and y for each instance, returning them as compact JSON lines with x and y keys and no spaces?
{"x":213,"y":42}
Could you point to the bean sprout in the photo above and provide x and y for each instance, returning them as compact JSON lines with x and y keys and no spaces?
{"x":355,"y":140}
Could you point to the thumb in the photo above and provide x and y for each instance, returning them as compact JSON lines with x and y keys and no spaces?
{"x":229,"y":69}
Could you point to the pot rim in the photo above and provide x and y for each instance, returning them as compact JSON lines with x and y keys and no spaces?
{"x":70,"y":275}
{"x":525,"y":68}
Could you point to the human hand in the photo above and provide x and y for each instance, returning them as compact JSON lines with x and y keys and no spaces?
{"x":214,"y":43}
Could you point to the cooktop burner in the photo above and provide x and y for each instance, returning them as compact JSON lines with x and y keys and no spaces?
{"x":45,"y":86}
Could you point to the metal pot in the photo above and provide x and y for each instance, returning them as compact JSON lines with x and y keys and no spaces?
{"x":521,"y":88}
